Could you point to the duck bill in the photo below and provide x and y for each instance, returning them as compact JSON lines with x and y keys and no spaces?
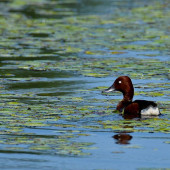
{"x":110,"y":89}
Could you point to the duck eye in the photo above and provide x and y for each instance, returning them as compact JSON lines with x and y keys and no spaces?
{"x":120,"y":82}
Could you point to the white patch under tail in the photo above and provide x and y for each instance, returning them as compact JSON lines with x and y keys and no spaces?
{"x":150,"y":111}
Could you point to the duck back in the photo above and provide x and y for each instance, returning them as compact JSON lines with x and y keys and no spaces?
{"x":142,"y":107}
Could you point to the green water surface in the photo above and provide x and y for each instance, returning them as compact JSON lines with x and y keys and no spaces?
{"x":55,"y":59}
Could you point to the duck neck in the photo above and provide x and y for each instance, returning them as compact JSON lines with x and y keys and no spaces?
{"x":128,"y":94}
{"x":127,"y":99}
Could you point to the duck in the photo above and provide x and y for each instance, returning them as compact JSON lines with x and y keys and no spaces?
{"x":129,"y":107}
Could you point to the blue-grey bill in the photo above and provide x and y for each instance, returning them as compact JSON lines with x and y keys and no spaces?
{"x":110,"y":89}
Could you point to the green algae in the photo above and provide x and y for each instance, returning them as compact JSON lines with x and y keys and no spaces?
{"x":148,"y":125}
{"x":104,"y":67}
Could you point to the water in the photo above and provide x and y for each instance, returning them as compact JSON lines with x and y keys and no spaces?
{"x":108,"y":155}
{"x":56,"y":58}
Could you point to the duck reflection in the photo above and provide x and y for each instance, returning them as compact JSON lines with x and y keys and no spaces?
{"x":122,"y":138}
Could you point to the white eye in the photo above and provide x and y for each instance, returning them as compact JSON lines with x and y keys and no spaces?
{"x":120,"y":82}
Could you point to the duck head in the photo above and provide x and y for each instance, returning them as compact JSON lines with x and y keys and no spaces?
{"x":124,"y":85}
